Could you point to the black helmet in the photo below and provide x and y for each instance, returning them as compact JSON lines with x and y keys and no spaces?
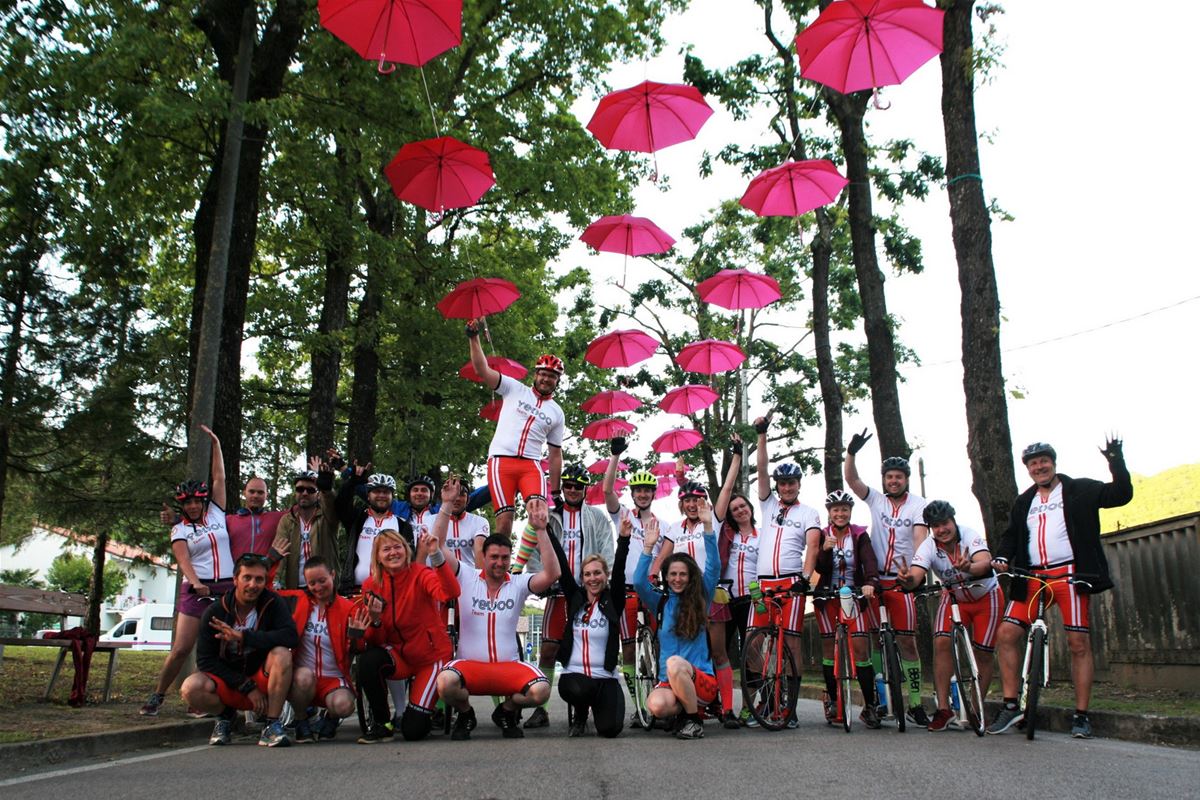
{"x":692,"y":489}
{"x":189,"y":489}
{"x":938,"y":511}
{"x":788,"y":472}
{"x":577,"y":473}
{"x":1038,"y":449}
{"x":895,"y":462}
{"x":421,"y":480}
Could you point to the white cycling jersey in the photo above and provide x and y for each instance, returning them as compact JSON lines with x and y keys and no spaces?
{"x":688,"y":537}
{"x":366,"y":540}
{"x":316,"y":647}
{"x":207,"y":543}
{"x":591,"y":630}
{"x":461,"y":535}
{"x":637,"y":536}
{"x":932,"y":557}
{"x":488,"y":623}
{"x":783,"y":536}
{"x":527,"y":423}
{"x":891,"y":530}
{"x":1048,"y":540}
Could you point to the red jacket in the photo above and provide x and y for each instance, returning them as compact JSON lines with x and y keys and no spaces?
{"x":412,"y":617}
{"x":338,"y":617}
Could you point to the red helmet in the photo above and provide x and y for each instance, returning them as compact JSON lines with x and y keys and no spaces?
{"x":550,"y":362}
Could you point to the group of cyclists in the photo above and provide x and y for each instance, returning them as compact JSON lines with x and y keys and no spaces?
{"x":423,"y":601}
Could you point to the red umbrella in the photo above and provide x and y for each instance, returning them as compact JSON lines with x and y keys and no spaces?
{"x":505,"y":366}
{"x":666,"y":487}
{"x":611,"y":402}
{"x":621,"y":348}
{"x":793,"y":188}
{"x":649,"y":116}
{"x":404,"y":31}
{"x":478,"y":297}
{"x":441,"y":173}
{"x":608,"y":428}
{"x":633,"y":236}
{"x":595,"y":492}
{"x":865,"y":44}
{"x":491,"y":411}
{"x":738,"y":288}
{"x":663,"y":468}
{"x":677,"y":440}
{"x":688,"y":399}
{"x":710,"y":356}
{"x":601,"y":466}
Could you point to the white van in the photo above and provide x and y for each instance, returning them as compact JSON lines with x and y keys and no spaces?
{"x":147,"y":626}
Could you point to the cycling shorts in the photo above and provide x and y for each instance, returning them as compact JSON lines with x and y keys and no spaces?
{"x":901,"y":608}
{"x":554,"y":619}
{"x":629,"y":620}
{"x":509,"y":476}
{"x":231,"y":697}
{"x":326,"y":687}
{"x":501,"y":678}
{"x":1072,"y":603}
{"x":981,"y":617}
{"x":826,"y":612}
{"x":706,"y":687}
{"x":191,"y":604}
{"x":792,"y":606}
{"x":422,"y":680}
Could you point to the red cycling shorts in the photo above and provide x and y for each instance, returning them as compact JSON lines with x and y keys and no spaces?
{"x":792,"y":606}
{"x":1072,"y":604}
{"x":509,"y":476}
{"x":501,"y":678}
{"x":706,"y":687}
{"x":981,"y":617}
{"x":231,"y":697}
{"x":901,"y":608}
{"x":326,"y":687}
{"x":422,"y":686}
{"x":826,"y":612}
{"x":554,"y":619}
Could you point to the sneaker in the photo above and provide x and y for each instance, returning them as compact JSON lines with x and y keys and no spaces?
{"x":498,"y":716}
{"x":304,"y":732}
{"x":869,"y":717}
{"x":471,"y":720}
{"x":1005,"y":719}
{"x":691,"y":729}
{"x":510,"y":724}
{"x":328,"y":729}
{"x":222,"y":732}
{"x":751,"y":720}
{"x":917,"y":716}
{"x":152,"y":705}
{"x":792,"y":722}
{"x":463,"y":722}
{"x":941,"y":720}
{"x":730,"y":721}
{"x":538,"y":719}
{"x":635,"y":720}
{"x":1081,"y":727}
{"x":578,"y":726}
{"x":375,"y":734}
{"x":196,"y":713}
{"x":831,"y":714}
{"x":881,"y":711}
{"x":273,"y":735}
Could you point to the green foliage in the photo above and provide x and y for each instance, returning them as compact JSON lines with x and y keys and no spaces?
{"x":1167,"y":494}
{"x":70,"y":573}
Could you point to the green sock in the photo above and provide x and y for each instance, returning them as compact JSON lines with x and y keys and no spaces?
{"x":630,"y":674}
{"x":877,"y":661}
{"x":913,"y":670}
{"x":549,"y":673}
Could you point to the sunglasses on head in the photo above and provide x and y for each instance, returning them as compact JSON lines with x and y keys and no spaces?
{"x":252,"y":558}
{"x":306,"y":490}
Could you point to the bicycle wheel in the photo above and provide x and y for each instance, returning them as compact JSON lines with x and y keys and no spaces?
{"x":966,"y":672}
{"x":766,"y":668}
{"x":893,"y":678}
{"x":1033,"y":688}
{"x":842,"y":672}
{"x":645,"y":674}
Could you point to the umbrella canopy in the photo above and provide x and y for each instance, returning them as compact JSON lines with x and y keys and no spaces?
{"x":649,"y":116}
{"x":440,"y":173}
{"x":663,"y":468}
{"x":403,"y":31}
{"x":864,"y":44}
{"x":491,"y":411}
{"x":633,"y":236}
{"x":621,"y":348}
{"x":793,"y":188}
{"x":677,"y":440}
{"x":688,"y":399}
{"x":666,"y":487}
{"x":595,"y":492}
{"x":736,"y":289}
{"x":613,"y":401}
{"x":601,"y":466}
{"x":710,"y":356}
{"x":505,"y":366}
{"x":608,"y":428}
{"x":478,"y":297}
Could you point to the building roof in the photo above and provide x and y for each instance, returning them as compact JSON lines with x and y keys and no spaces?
{"x":118,"y":549}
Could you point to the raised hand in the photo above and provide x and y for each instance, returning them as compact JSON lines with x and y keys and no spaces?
{"x":618,"y":445}
{"x":539,"y":514}
{"x":1113,"y":448}
{"x":167,"y":515}
{"x":857,"y":441}
{"x":650,"y":534}
{"x":704,"y":511}
{"x":826,"y":542}
{"x":761,"y":424}
{"x":427,"y":545}
{"x":374,"y":607}
{"x":359,"y":619}
{"x":450,"y":490}
{"x":903,"y":571}
{"x":210,"y":433}
{"x":314,"y":463}
{"x":472,"y":328}
{"x":334,"y":459}
{"x":626,"y":528}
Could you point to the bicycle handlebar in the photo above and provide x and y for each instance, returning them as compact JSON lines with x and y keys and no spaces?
{"x":1017,"y":572}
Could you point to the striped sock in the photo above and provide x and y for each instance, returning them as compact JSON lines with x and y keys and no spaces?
{"x":527,"y":546}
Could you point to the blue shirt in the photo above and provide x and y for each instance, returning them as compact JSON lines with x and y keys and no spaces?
{"x":694,"y":650}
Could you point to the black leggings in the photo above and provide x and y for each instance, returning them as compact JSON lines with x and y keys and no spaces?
{"x":374,"y":668}
{"x":602,"y":695}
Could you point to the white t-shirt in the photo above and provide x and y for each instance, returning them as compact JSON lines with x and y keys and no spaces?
{"x":892,"y":528}
{"x":1048,"y":540}
{"x":207,"y":544}
{"x":488,"y":624}
{"x":461,"y":535}
{"x":421,"y":521}
{"x":590,"y":629}
{"x":316,"y":646}
{"x":688,"y":538}
{"x":637,"y":537}
{"x":366,"y":540}
{"x":527,"y":423}
{"x":931,"y":557}
{"x":572,"y":540}
{"x":743,"y":563}
{"x":782,"y":536}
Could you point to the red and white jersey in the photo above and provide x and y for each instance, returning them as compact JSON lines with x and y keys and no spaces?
{"x":461,"y":535}
{"x":572,"y":540}
{"x":845,"y":557}
{"x":316,"y":648}
{"x":688,"y":537}
{"x":421,"y":521}
{"x":207,"y":544}
{"x":488,"y":623}
{"x":305,"y":547}
{"x":892,"y":524}
{"x":1048,"y":540}
{"x":743,"y":562}
{"x":637,"y":537}
{"x":527,"y":423}
{"x":783,"y":535}
{"x":591,"y":631}
{"x":932,"y":557}
{"x":366,"y":540}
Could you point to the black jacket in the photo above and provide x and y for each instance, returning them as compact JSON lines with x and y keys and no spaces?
{"x":1082,"y":500}
{"x":274,"y":628}
{"x":611,"y":603}
{"x":353,"y":517}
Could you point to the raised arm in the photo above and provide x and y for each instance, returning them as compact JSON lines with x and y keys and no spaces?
{"x":851,"y":471}
{"x":1120,"y":490}
{"x":712,"y":555}
{"x":539,"y":518}
{"x":216,"y":483}
{"x":763,"y":457}
{"x":731,"y":476}
{"x":611,"y":501}
{"x":489,"y":376}
{"x":441,"y":523}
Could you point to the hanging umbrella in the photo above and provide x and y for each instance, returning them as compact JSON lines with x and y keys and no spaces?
{"x":710,"y":356}
{"x":736,"y":289}
{"x":666,"y":487}
{"x":633,"y":236}
{"x":608,"y":428}
{"x":505,"y":366}
{"x":403,"y":31}
{"x":793,"y":188}
{"x":613,"y":401}
{"x":688,"y":399}
{"x":441,"y":173}
{"x":864,"y":44}
{"x":621,"y":348}
{"x":595,"y":492}
{"x":491,"y":411}
{"x":677,"y":440}
{"x":663,"y":468}
{"x":478,"y":297}
{"x":649,"y":116}
{"x":601,"y":466}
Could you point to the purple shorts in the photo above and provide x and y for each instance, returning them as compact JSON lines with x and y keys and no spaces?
{"x":191,"y":604}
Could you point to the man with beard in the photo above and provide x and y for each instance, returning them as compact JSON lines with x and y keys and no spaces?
{"x":363,"y":525}
{"x":309,"y":528}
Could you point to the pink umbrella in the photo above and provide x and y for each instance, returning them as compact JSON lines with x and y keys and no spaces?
{"x":505,"y":366}
{"x":738,"y":288}
{"x":595,"y":492}
{"x":649,"y":116}
{"x":663,"y":468}
{"x":793,"y":188}
{"x":601,"y":466}
{"x":633,"y":236}
{"x":688,"y":399}
{"x":491,"y":411}
{"x":621,"y":348}
{"x":441,"y":173}
{"x":478,"y":297}
{"x":710,"y":356}
{"x":666,"y":487}
{"x":613,"y":401}
{"x":405,"y":31}
{"x":608,"y":428}
{"x":677,"y":440}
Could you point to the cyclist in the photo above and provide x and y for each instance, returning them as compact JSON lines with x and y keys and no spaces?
{"x":200,"y":546}
{"x":308,"y":529}
{"x":957,"y":555}
{"x":582,"y":531}
{"x":362,"y":526}
{"x":738,"y":546}
{"x":465,"y":531}
{"x":896,"y":531}
{"x":683,"y":606}
{"x":787,"y":549}
{"x":847,"y":558}
{"x":1054,"y":531}
{"x":529,"y":419}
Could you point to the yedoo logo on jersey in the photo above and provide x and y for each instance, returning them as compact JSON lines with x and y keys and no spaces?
{"x":534,"y":411}
{"x":195,"y":532}
{"x":787,"y":522}
{"x":489,"y":606}
{"x":896,"y":522}
{"x":1044,"y":508}
{"x":313,"y":628}
{"x":597,"y":622}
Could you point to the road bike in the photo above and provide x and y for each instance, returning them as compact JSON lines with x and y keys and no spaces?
{"x":845,"y":671}
{"x":769,"y":675}
{"x":966,"y":668}
{"x":893,"y":675}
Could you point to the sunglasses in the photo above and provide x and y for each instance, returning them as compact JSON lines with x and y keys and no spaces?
{"x":575,"y":486}
{"x":252,"y":558}
{"x":306,"y":490}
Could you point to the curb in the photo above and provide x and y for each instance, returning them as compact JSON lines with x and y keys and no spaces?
{"x":21,"y":756}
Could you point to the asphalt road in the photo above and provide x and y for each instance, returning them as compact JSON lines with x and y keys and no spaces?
{"x":813,"y":761}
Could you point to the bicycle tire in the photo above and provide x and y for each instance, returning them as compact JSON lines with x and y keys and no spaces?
{"x":843,"y":670}
{"x":363,"y":707}
{"x":764,"y":678}
{"x":893,"y":678}
{"x":1033,"y":689}
{"x":645,"y":661}
{"x":966,"y":672}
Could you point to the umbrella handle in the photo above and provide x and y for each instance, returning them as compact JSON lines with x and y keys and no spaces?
{"x":383,"y":69}
{"x":876,"y":102}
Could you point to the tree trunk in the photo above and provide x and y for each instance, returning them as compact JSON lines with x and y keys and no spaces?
{"x":831,"y":393}
{"x":989,"y":441}
{"x":96,"y":592}
{"x":364,"y":394}
{"x":8,"y":383}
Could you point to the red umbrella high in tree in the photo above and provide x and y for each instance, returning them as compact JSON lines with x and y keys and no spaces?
{"x":477,"y":298}
{"x":737,"y":289}
{"x":609,"y":428}
{"x":437,"y":174}
{"x":793,"y":188}
{"x":677,"y":440}
{"x":710,"y":356}
{"x":505,"y":366}
{"x":628,"y":235}
{"x":395,"y":31}
{"x":688,"y":399}
{"x":648,"y":117}
{"x":622,"y":348}
{"x":613,"y":401}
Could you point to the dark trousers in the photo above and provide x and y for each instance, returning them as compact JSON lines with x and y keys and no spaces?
{"x":604,"y":696}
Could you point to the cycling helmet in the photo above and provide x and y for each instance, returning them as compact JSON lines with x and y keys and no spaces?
{"x":692,"y":489}
{"x":577,"y":473}
{"x":189,"y":489}
{"x":839,"y":497}
{"x":788,"y":472}
{"x":643,"y":478}
{"x":938,"y":511}
{"x":304,"y":475}
{"x":381,"y":481}
{"x":895,"y":462}
{"x":422,"y":480}
{"x":550,"y":362}
{"x":1038,"y":449}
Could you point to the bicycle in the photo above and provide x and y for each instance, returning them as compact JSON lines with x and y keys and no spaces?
{"x":645,"y":660}
{"x":768,"y":664}
{"x":966,"y":668}
{"x":845,"y":671}
{"x":893,"y":676}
